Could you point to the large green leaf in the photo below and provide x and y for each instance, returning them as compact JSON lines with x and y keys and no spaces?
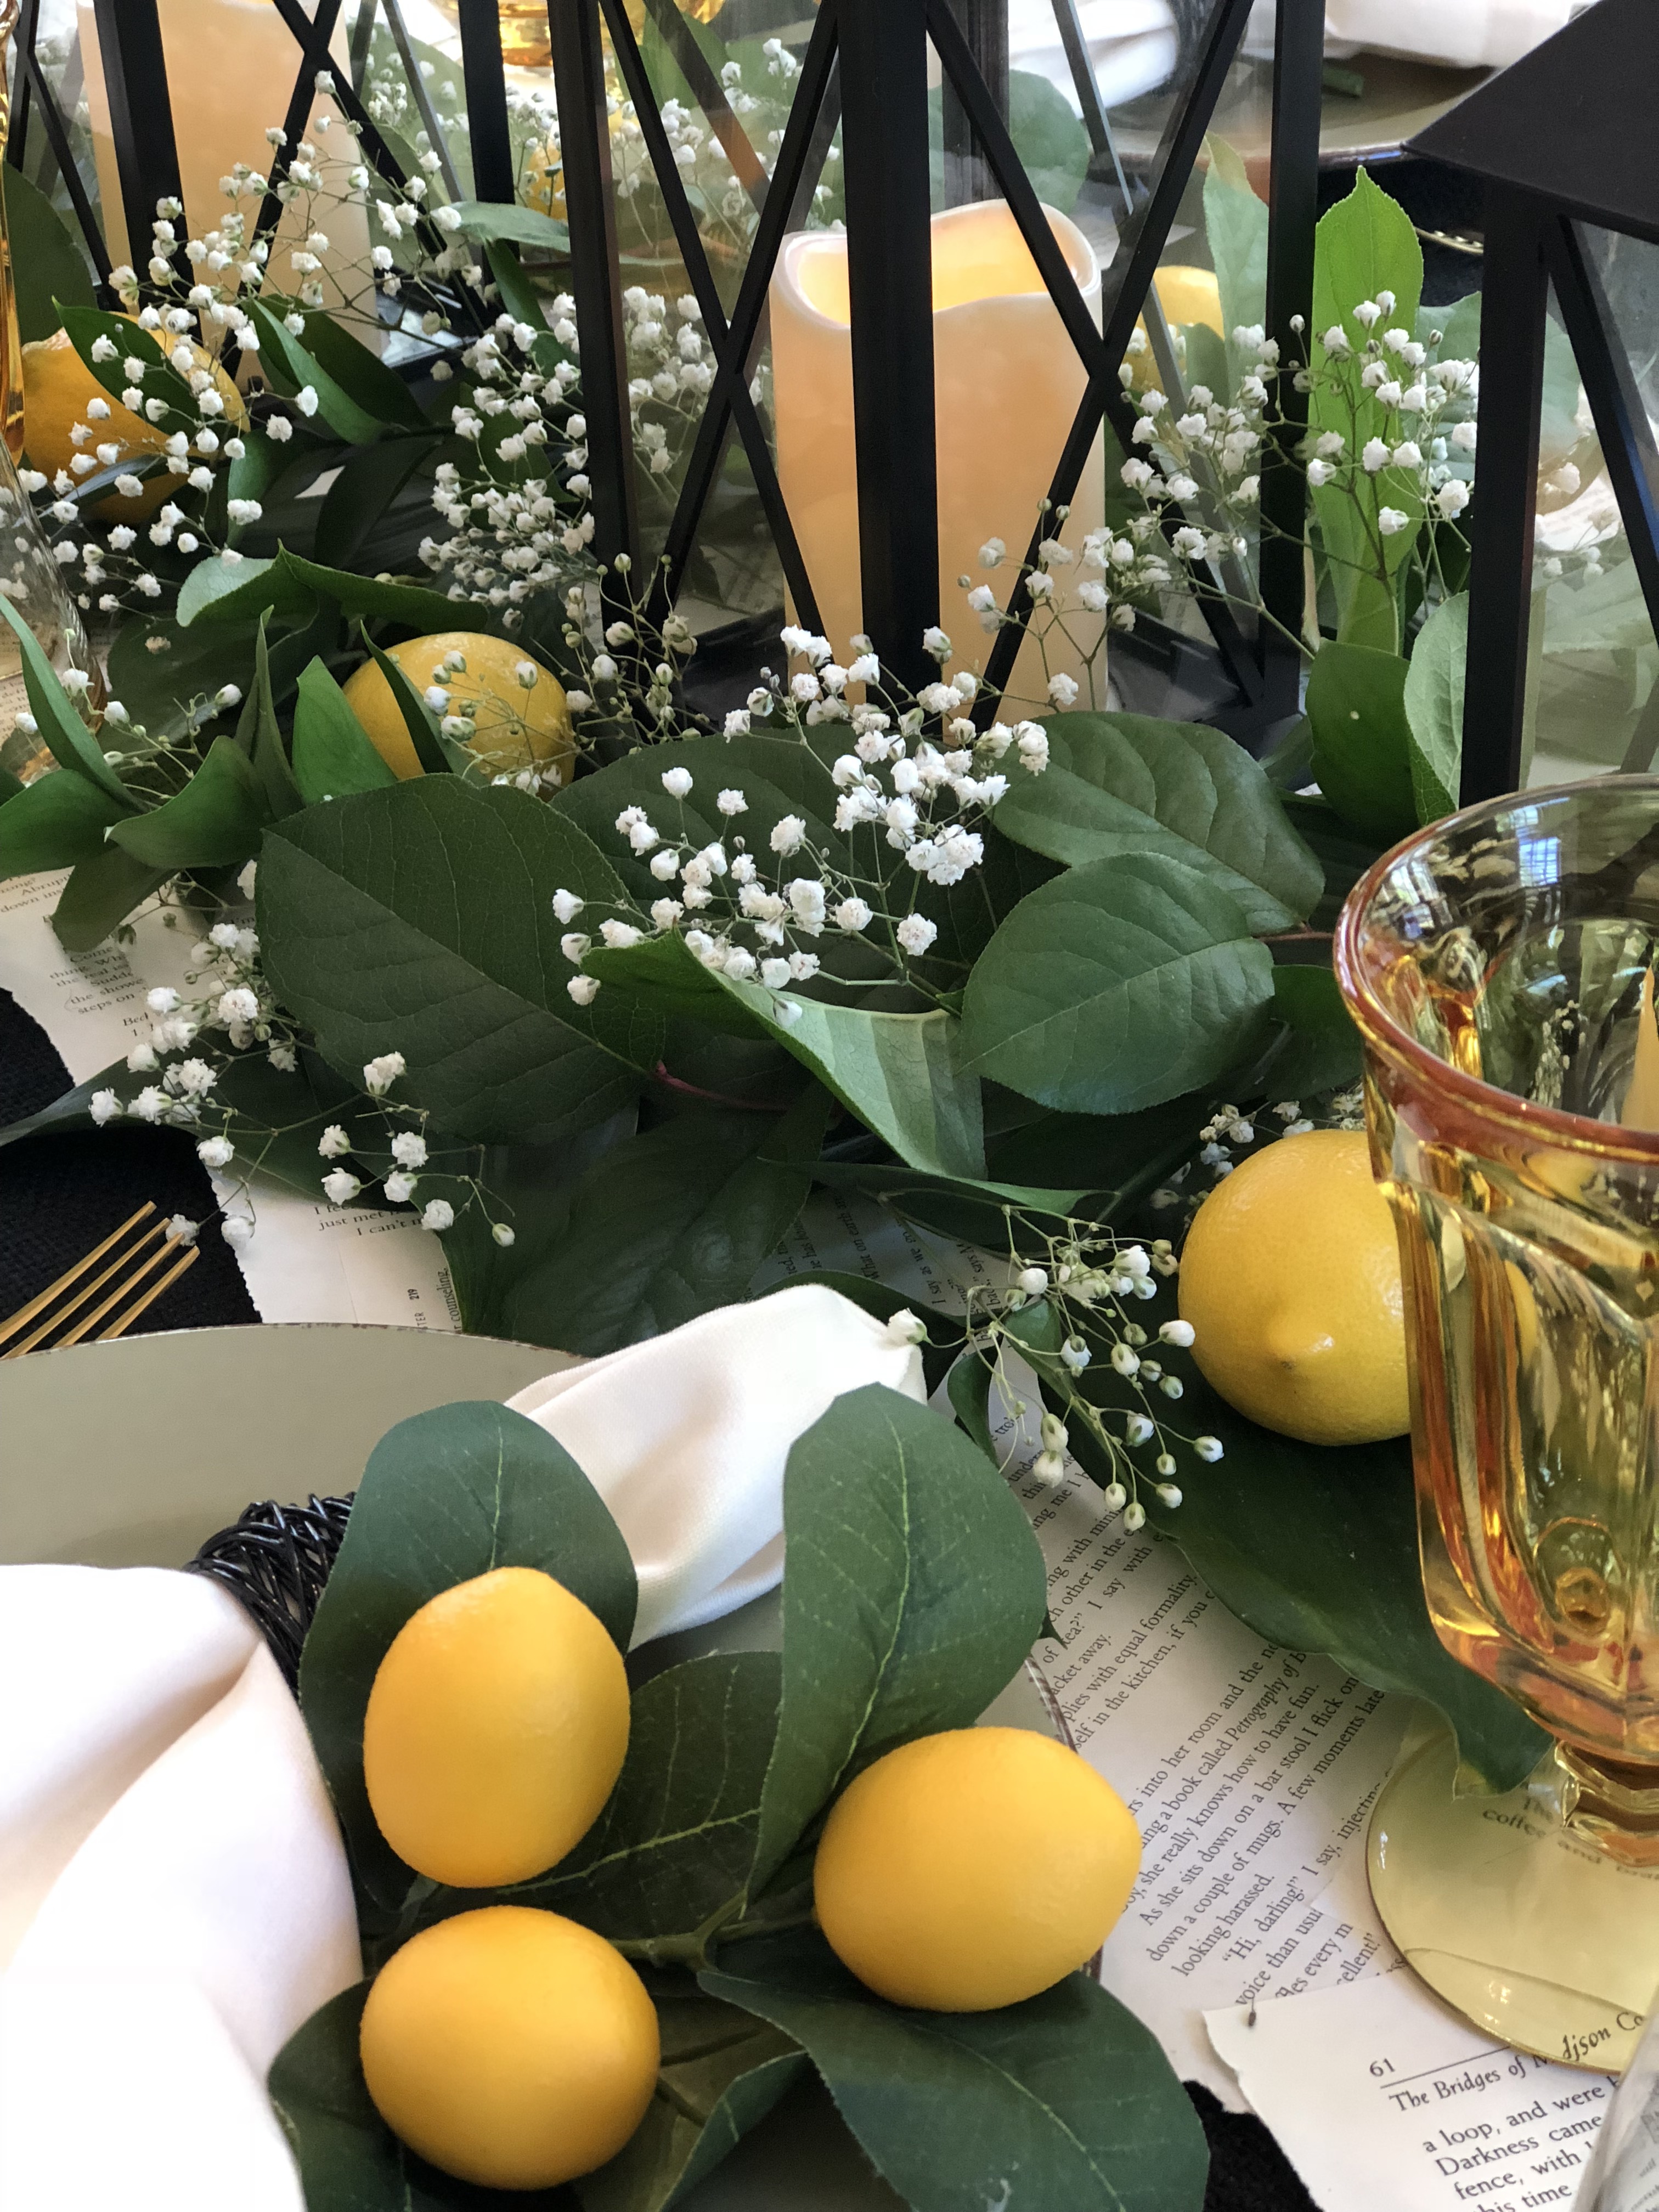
{"x":722,"y":2070}
{"x":1365,"y":245}
{"x":444,"y":1497}
{"x":1124,"y":783}
{"x":289,"y":366}
{"x":1434,"y":707}
{"x":669,"y":1224}
{"x":490,"y":221}
{"x":379,"y":391}
{"x":332,"y":756}
{"x":1119,"y":985}
{"x":100,"y":895}
{"x":674,"y":1844}
{"x":1236,"y":225}
{"x":1362,"y":739}
{"x":214,"y":822}
{"x":48,"y":266}
{"x":420,"y":916}
{"x":1350,"y":1585}
{"x":914,"y":1593}
{"x":348,"y":2159}
{"x":900,"y":1073}
{"x":1063,"y":2104}
{"x":66,"y":737}
{"x":53,"y":823}
{"x":288,"y":587}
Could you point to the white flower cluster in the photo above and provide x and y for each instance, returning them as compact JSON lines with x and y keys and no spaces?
{"x":917,"y":778}
{"x":1116,"y":573}
{"x":1090,"y":1282}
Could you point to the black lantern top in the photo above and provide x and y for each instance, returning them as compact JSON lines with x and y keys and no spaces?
{"x":1572,"y":122}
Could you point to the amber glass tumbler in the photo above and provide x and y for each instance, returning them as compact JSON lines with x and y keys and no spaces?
{"x":1498,"y":966}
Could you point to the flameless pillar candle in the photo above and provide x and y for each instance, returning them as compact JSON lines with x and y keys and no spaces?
{"x":231,"y":68}
{"x":1007,"y":382}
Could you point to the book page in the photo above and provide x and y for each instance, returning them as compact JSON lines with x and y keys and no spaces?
{"x":1386,"y":2100}
{"x":308,"y":1261}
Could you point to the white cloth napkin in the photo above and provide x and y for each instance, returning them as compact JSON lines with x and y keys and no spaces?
{"x":175,"y":1900}
{"x":685,"y":1435}
{"x":1132,"y":46}
{"x":1457,"y":33}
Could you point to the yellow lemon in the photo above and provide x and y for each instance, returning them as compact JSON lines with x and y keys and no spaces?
{"x":973,"y":1869}
{"x":1291,"y":1279}
{"x":510,"y":2047}
{"x":495,"y":1730}
{"x":521,"y":716}
{"x":57,"y":387}
{"x":1187,"y":295}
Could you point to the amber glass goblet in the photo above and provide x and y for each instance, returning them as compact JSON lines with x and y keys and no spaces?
{"x":1499,"y":966}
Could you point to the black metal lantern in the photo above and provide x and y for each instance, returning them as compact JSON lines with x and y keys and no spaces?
{"x":1571,"y":290}
{"x":911,"y":104}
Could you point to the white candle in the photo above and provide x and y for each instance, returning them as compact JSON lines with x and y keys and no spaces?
{"x":231,"y":66}
{"x":1007,"y":382}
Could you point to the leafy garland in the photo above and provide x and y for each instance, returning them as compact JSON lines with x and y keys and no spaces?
{"x":1031,"y":983}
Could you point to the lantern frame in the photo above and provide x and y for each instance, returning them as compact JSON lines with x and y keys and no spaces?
{"x":1549,"y":149}
{"x":865,"y":71}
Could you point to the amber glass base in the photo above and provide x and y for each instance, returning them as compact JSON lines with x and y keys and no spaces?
{"x":1514,"y":1910}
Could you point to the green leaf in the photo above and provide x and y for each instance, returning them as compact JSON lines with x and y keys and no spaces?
{"x":291,"y":367}
{"x":424,"y":733}
{"x":488,"y":220}
{"x":348,"y":2159}
{"x":289,"y":588}
{"x":357,"y":501}
{"x":370,"y":944}
{"x":1344,"y":856}
{"x":71,"y":743}
{"x":445,"y":1496}
{"x":1365,"y":245}
{"x":669,"y":1224}
{"x":722,"y":2073}
{"x":241,"y":591}
{"x":900,"y":1073}
{"x":915,"y":1592}
{"x":1119,"y":985}
{"x":160,"y":380}
{"x":332,"y":756}
{"x":970,"y":1388}
{"x":47,"y":264}
{"x":54,"y":821}
{"x":1124,"y":783}
{"x":1236,"y":224}
{"x":675,"y":1843}
{"x":260,"y":737}
{"x":100,"y":895}
{"x":1351,"y":1583}
{"x":1319,"y":1050}
{"x":362,"y":375}
{"x":214,"y":822}
{"x":1065,"y":2101}
{"x":1434,"y":709}
{"x":777,"y":776}
{"x":1052,"y":143}
{"x":1362,"y":740}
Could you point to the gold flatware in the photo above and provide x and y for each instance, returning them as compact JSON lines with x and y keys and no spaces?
{"x":132,"y":1262}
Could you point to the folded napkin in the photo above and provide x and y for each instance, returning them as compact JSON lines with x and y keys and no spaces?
{"x":685,"y":1435}
{"x":1456,"y":33}
{"x":1132,"y":46}
{"x":175,"y":1900}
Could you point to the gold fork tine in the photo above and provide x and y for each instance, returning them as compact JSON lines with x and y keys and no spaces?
{"x":124,"y":1289}
{"x":192,"y":1253}
{"x":55,"y":1319}
{"x":26,"y":1314}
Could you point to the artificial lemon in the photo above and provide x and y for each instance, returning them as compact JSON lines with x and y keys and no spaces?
{"x":1291,"y":1278}
{"x":973,"y":1869}
{"x":495,"y":1730}
{"x":58,"y":386}
{"x":519,"y":712}
{"x":510,"y":2047}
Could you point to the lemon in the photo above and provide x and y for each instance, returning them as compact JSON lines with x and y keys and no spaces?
{"x":57,"y":386}
{"x":973,"y":1869}
{"x":495,"y":1730}
{"x":519,"y":712}
{"x":1291,"y":1279}
{"x":1187,"y":295}
{"x":512,"y":2048}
